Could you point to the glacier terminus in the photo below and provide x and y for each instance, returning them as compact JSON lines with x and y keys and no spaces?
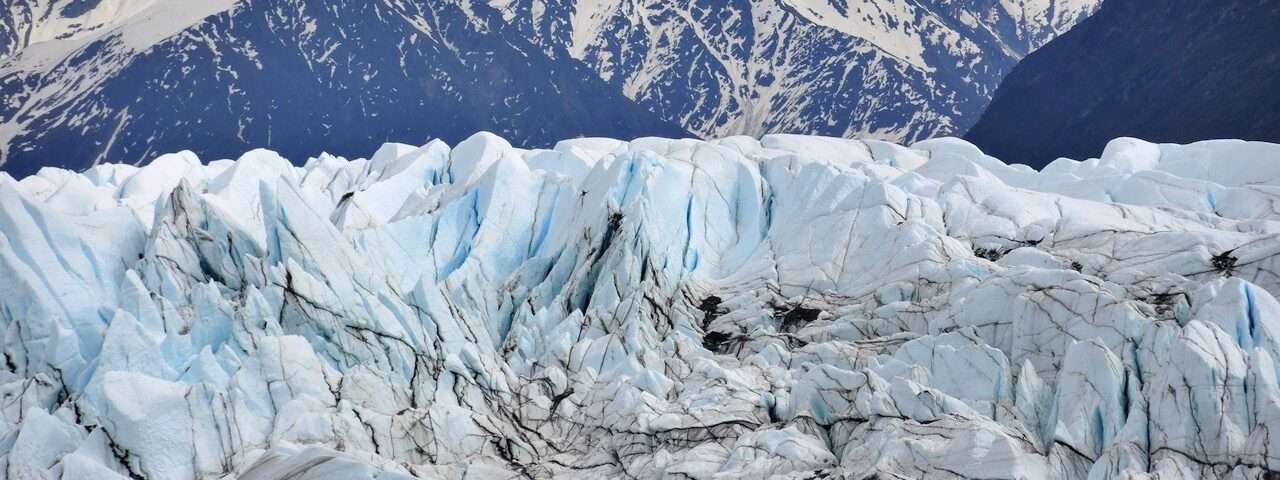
{"x":774,"y":307}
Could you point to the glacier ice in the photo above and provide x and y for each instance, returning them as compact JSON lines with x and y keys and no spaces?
{"x":787,"y":306}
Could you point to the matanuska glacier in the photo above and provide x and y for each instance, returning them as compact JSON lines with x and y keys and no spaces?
{"x":792,"y":307}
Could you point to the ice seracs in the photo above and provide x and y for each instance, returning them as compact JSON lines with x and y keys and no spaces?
{"x":786,"y":306}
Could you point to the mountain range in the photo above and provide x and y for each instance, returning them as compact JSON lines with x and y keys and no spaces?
{"x":87,"y":81}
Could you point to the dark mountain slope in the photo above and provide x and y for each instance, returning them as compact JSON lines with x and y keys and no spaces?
{"x":1164,"y":71}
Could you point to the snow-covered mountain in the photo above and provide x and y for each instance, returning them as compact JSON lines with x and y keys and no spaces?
{"x":88,"y":81}
{"x":896,"y":69}
{"x":223,"y":77}
{"x":795,"y":307}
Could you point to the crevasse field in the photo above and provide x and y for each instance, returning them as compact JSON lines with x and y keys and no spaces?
{"x":798,"y":307}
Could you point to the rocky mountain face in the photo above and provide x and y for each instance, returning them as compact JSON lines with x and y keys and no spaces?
{"x":789,"y":307}
{"x":898,"y":69}
{"x":295,"y":75}
{"x":1163,"y":71}
{"x":87,"y":81}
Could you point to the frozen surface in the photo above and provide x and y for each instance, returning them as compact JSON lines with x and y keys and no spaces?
{"x":787,"y":306}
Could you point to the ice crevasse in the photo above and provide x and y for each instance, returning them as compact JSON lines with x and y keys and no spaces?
{"x":789,"y":306}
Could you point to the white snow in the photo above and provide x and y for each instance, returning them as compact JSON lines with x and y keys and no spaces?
{"x":889,"y":25}
{"x":787,"y":306}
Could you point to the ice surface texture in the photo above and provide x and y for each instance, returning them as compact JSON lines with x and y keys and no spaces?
{"x":787,"y":306}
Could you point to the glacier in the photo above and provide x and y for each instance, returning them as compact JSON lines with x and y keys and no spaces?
{"x":783,"y":306}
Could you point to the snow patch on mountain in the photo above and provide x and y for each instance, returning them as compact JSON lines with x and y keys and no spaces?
{"x":58,"y":26}
{"x":878,"y":22}
{"x":784,"y":306}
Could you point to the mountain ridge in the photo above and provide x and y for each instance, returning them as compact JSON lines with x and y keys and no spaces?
{"x":678,"y":70}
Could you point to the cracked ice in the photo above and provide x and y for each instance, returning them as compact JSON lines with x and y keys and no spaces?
{"x":789,"y":306}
